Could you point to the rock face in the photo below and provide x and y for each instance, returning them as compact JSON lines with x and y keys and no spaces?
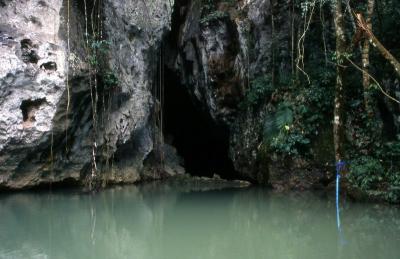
{"x":63,"y":119}
{"x":46,"y":124}
{"x":217,"y":50}
{"x":32,"y":79}
{"x":208,"y":57}
{"x":212,"y":56}
{"x":49,"y":130}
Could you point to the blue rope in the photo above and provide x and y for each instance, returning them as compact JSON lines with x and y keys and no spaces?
{"x":339,"y":168}
{"x":337,"y":201}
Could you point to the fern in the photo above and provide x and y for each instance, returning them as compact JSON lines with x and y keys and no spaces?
{"x":276,"y":122}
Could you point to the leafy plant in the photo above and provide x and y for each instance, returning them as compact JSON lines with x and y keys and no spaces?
{"x":280,"y":134}
{"x":393,"y":190}
{"x":391,"y":150}
{"x":281,"y":120}
{"x":260,"y":89}
{"x":110,"y":80}
{"x":97,"y":48}
{"x":299,"y":115}
{"x":366,"y":173}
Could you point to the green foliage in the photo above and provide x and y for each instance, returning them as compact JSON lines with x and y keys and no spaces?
{"x":391,"y":153}
{"x":110,"y":80}
{"x":261,"y":88}
{"x":282,"y":119}
{"x":366,"y":173}
{"x":391,"y":150}
{"x":301,"y":109}
{"x":289,"y":142}
{"x":393,"y":192}
{"x":379,"y":173}
{"x":374,"y":176}
{"x":277,"y":128}
{"x":97,"y":48}
{"x":282,"y":132}
{"x":300,"y":113}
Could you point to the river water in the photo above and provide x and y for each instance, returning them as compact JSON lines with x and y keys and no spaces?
{"x":158,"y":221}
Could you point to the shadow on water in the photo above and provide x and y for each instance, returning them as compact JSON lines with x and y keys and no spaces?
{"x":156,"y":221}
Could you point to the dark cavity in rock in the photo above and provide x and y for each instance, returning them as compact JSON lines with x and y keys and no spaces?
{"x":29,"y":55}
{"x":201,"y":142}
{"x":49,"y":66}
{"x":28,"y":108}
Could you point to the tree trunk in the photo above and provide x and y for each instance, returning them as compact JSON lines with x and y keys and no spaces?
{"x":338,"y":123}
{"x":368,"y":103}
{"x":385,"y":53}
{"x":362,"y":24}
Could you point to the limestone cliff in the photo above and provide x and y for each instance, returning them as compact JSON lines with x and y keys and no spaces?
{"x":46,"y":121}
{"x":63,"y":120}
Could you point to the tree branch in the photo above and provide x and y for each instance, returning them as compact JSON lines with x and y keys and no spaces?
{"x":362,"y":24}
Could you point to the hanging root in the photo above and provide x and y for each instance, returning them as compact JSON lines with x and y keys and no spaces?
{"x":300,"y":43}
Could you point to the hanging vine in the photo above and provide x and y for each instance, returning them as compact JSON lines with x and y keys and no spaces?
{"x":96,"y":48}
{"x":308,"y":15}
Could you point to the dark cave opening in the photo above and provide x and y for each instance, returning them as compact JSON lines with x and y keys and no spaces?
{"x":202,"y":143}
{"x":29,"y":107}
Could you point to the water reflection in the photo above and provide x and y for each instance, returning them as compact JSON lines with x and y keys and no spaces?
{"x":157,"y":221}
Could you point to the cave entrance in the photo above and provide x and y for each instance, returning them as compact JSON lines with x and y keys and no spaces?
{"x":187,"y":125}
{"x":202,"y":143}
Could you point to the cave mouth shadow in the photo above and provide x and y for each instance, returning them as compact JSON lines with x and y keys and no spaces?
{"x":202,"y":143}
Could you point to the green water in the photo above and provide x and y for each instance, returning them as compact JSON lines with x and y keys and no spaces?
{"x":158,"y":221}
